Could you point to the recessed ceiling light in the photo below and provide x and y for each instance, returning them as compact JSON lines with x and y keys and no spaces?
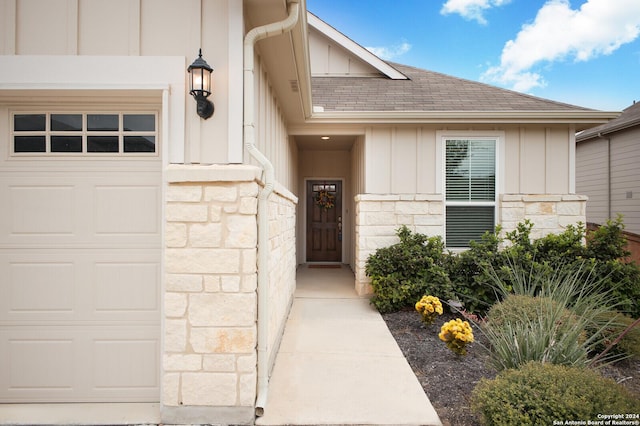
{"x":324,"y":138}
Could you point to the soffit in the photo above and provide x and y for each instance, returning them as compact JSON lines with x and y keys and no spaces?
{"x":283,"y":56}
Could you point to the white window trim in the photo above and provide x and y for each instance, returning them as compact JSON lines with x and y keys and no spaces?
{"x":442,"y":136}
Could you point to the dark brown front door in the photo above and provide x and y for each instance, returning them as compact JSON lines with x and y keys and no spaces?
{"x":324,"y":221}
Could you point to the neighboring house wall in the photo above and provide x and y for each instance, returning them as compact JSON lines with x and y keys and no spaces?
{"x":625,"y":178}
{"x":592,"y":177}
{"x":608,"y":172}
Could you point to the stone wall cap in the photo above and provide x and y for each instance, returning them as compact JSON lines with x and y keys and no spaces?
{"x":399,"y":197}
{"x":575,"y":197}
{"x":179,"y":173}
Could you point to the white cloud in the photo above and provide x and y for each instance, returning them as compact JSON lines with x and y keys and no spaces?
{"x":471,"y":9}
{"x":390,"y":52}
{"x":559,"y":33}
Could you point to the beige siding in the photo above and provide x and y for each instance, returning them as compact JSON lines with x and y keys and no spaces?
{"x":512,"y":161}
{"x":120,"y":19}
{"x":271,"y":132}
{"x":402,"y":160}
{"x":625,"y":178}
{"x":532,"y":161}
{"x":45,"y":27}
{"x":168,"y":26}
{"x":130,"y":28}
{"x":328,"y":58}
{"x":592,"y":178}
{"x":557,"y":161}
{"x":357,"y":187}
{"x":377,"y":161}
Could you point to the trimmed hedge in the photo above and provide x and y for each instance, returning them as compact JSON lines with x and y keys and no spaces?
{"x":539,"y":394}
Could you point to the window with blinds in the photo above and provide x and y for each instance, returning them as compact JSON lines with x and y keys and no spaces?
{"x":470,"y":186}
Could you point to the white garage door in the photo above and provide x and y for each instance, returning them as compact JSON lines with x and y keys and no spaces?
{"x":80,"y":236}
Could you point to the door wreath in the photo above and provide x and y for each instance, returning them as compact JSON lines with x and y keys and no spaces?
{"x":325,"y":199}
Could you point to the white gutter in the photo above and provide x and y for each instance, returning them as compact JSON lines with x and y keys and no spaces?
{"x":421,"y":117}
{"x":250,"y":40}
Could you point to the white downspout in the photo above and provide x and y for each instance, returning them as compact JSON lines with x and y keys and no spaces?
{"x":250,"y":40}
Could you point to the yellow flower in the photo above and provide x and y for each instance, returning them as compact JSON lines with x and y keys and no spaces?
{"x":456,"y":334}
{"x":428,"y":307}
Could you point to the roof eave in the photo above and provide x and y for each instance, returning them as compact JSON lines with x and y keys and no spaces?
{"x":300,"y":42}
{"x":582,"y":119}
{"x":608,"y":131}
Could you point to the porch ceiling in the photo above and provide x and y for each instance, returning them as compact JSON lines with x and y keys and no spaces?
{"x":315,"y":143}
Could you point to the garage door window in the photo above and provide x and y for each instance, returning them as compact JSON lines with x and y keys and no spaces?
{"x":84,"y":133}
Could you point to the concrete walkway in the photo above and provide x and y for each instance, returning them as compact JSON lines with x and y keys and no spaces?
{"x":338,"y":363}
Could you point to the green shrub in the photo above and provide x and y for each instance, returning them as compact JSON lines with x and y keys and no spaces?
{"x":545,"y":338}
{"x":402,"y":273}
{"x":417,"y":265}
{"x":539,"y":394}
{"x":523,"y":308}
{"x":569,"y":301}
{"x":602,"y":254}
{"x":467,"y":271}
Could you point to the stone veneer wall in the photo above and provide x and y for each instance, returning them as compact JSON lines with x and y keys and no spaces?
{"x":282,"y":264}
{"x":379,"y":216}
{"x":210,"y":295}
{"x":549,"y":213}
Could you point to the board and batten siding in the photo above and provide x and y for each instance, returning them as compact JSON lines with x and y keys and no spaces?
{"x":607,"y":171}
{"x":625,"y":178}
{"x":404,"y":160}
{"x":133,"y":28}
{"x":592,"y":178}
{"x":272,"y":137}
{"x":328,"y":58}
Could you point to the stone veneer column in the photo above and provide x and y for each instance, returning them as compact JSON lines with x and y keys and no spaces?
{"x":378,"y":217}
{"x":210,"y":304}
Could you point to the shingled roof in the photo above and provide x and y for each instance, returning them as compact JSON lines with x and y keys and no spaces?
{"x":630,"y":117}
{"x":423,"y":91}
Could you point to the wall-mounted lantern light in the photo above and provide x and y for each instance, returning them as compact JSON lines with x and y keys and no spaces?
{"x":200,"y":85}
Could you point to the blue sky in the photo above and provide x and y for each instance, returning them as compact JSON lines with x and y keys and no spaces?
{"x":582,"y":52}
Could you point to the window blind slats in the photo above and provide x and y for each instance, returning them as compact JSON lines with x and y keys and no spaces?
{"x":466,"y":223}
{"x":470,"y":177}
{"x":470,"y":170}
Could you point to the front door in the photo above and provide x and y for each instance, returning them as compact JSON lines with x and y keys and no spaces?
{"x":324,"y":221}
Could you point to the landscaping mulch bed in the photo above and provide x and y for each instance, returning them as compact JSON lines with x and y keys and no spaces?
{"x":449,"y":379}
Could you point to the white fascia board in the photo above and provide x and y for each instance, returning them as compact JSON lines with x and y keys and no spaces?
{"x":354,"y":48}
{"x":589,"y":118}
